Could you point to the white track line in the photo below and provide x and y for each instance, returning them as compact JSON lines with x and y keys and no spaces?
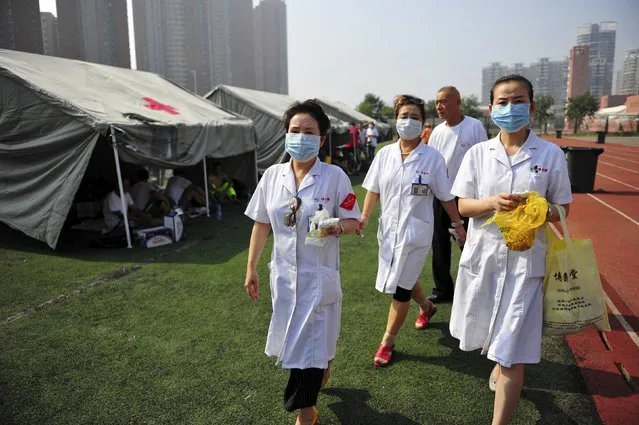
{"x":613,"y":308}
{"x":616,"y":166}
{"x":613,"y":208}
{"x":622,"y":159}
{"x":622,"y":320}
{"x":615,"y":180}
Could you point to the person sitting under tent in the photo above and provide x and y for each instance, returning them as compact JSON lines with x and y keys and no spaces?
{"x":114,"y":215}
{"x":148,"y":197}
{"x":182,"y":192}
{"x":221,"y":187}
{"x":341,"y":161}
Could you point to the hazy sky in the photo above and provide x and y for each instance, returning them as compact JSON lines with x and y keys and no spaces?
{"x":342,"y":49}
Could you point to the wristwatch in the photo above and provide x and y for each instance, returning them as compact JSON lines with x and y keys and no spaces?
{"x":549,"y":213}
{"x":458,"y":224}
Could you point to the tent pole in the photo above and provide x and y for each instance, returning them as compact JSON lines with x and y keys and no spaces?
{"x":124,"y":207}
{"x":206,"y":189}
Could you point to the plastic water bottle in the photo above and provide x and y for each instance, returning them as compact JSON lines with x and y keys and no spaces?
{"x":218,"y":212}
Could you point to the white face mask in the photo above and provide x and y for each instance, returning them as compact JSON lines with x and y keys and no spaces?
{"x":408,"y":128}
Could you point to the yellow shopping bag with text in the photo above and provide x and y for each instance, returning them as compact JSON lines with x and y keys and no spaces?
{"x":573,"y":296}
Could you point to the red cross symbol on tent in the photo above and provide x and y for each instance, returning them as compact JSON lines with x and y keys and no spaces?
{"x":157,"y":106}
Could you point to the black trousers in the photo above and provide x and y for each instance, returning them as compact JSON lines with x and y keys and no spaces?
{"x":444,"y":285}
{"x":303,"y":388}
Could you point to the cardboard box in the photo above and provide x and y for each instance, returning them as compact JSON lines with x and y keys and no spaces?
{"x":154,"y":237}
{"x":174,"y":221}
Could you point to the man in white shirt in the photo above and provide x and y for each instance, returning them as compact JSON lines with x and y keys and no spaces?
{"x":112,"y":209}
{"x":452,"y":139}
{"x":371,"y":139}
{"x":148,"y":197}
{"x":181,"y":191}
{"x":362,"y":134}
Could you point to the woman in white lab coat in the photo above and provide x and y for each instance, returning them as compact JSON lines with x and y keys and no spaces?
{"x":405,"y":176}
{"x":304,"y":279}
{"x":497,"y":306}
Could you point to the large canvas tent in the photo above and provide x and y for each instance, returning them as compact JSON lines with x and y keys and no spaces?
{"x":54,"y":111}
{"x":266,"y":110}
{"x":348,"y":114}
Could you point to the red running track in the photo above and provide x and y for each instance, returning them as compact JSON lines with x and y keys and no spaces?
{"x":610,"y":218}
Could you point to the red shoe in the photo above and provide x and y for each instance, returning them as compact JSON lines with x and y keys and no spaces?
{"x":383,"y":355}
{"x":424,"y":318}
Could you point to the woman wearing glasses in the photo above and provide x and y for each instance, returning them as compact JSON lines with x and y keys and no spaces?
{"x":304,"y":279}
{"x":405,"y":176}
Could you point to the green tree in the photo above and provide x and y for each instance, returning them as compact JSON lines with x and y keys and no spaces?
{"x":543,"y":111}
{"x":373,"y":106}
{"x":470,"y":106}
{"x":387,"y":113}
{"x":431,"y":110}
{"x":580,"y":107}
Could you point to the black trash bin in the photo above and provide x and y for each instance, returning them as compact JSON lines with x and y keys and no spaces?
{"x":601,"y":137}
{"x":582,"y":167}
{"x":558,"y":134}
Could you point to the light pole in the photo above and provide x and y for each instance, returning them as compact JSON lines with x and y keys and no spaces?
{"x":194,"y":73}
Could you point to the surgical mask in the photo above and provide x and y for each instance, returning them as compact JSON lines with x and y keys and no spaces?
{"x":408,"y":128}
{"x":512,"y":117}
{"x":302,"y":147}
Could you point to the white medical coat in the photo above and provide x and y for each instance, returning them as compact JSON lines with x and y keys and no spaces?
{"x":454,"y":142}
{"x":305,"y":284}
{"x":498,"y":298}
{"x":405,"y":230}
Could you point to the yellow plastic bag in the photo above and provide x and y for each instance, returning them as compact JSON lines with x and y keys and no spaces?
{"x":519,"y":226}
{"x":573,"y":296}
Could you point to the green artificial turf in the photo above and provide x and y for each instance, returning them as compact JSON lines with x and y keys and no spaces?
{"x":177,"y":341}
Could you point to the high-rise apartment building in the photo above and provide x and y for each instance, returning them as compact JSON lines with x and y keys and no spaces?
{"x":628,"y":75}
{"x":197,"y":44}
{"x":20,"y":25}
{"x":548,"y":77}
{"x":94,"y":31}
{"x":232,"y":40}
{"x":489,"y":75}
{"x":578,"y":71}
{"x":271,"y":48}
{"x":551,"y":78}
{"x":50,"y":45}
{"x":601,"y":39}
{"x":160,"y":40}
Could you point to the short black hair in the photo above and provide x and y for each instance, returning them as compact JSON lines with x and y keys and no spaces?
{"x":311,"y":107}
{"x":512,"y":77}
{"x":143,"y":175}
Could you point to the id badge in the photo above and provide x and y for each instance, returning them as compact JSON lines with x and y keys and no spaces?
{"x":419,"y":189}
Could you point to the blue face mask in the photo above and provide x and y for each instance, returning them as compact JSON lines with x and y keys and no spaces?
{"x":302,"y":147}
{"x":511,"y":118}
